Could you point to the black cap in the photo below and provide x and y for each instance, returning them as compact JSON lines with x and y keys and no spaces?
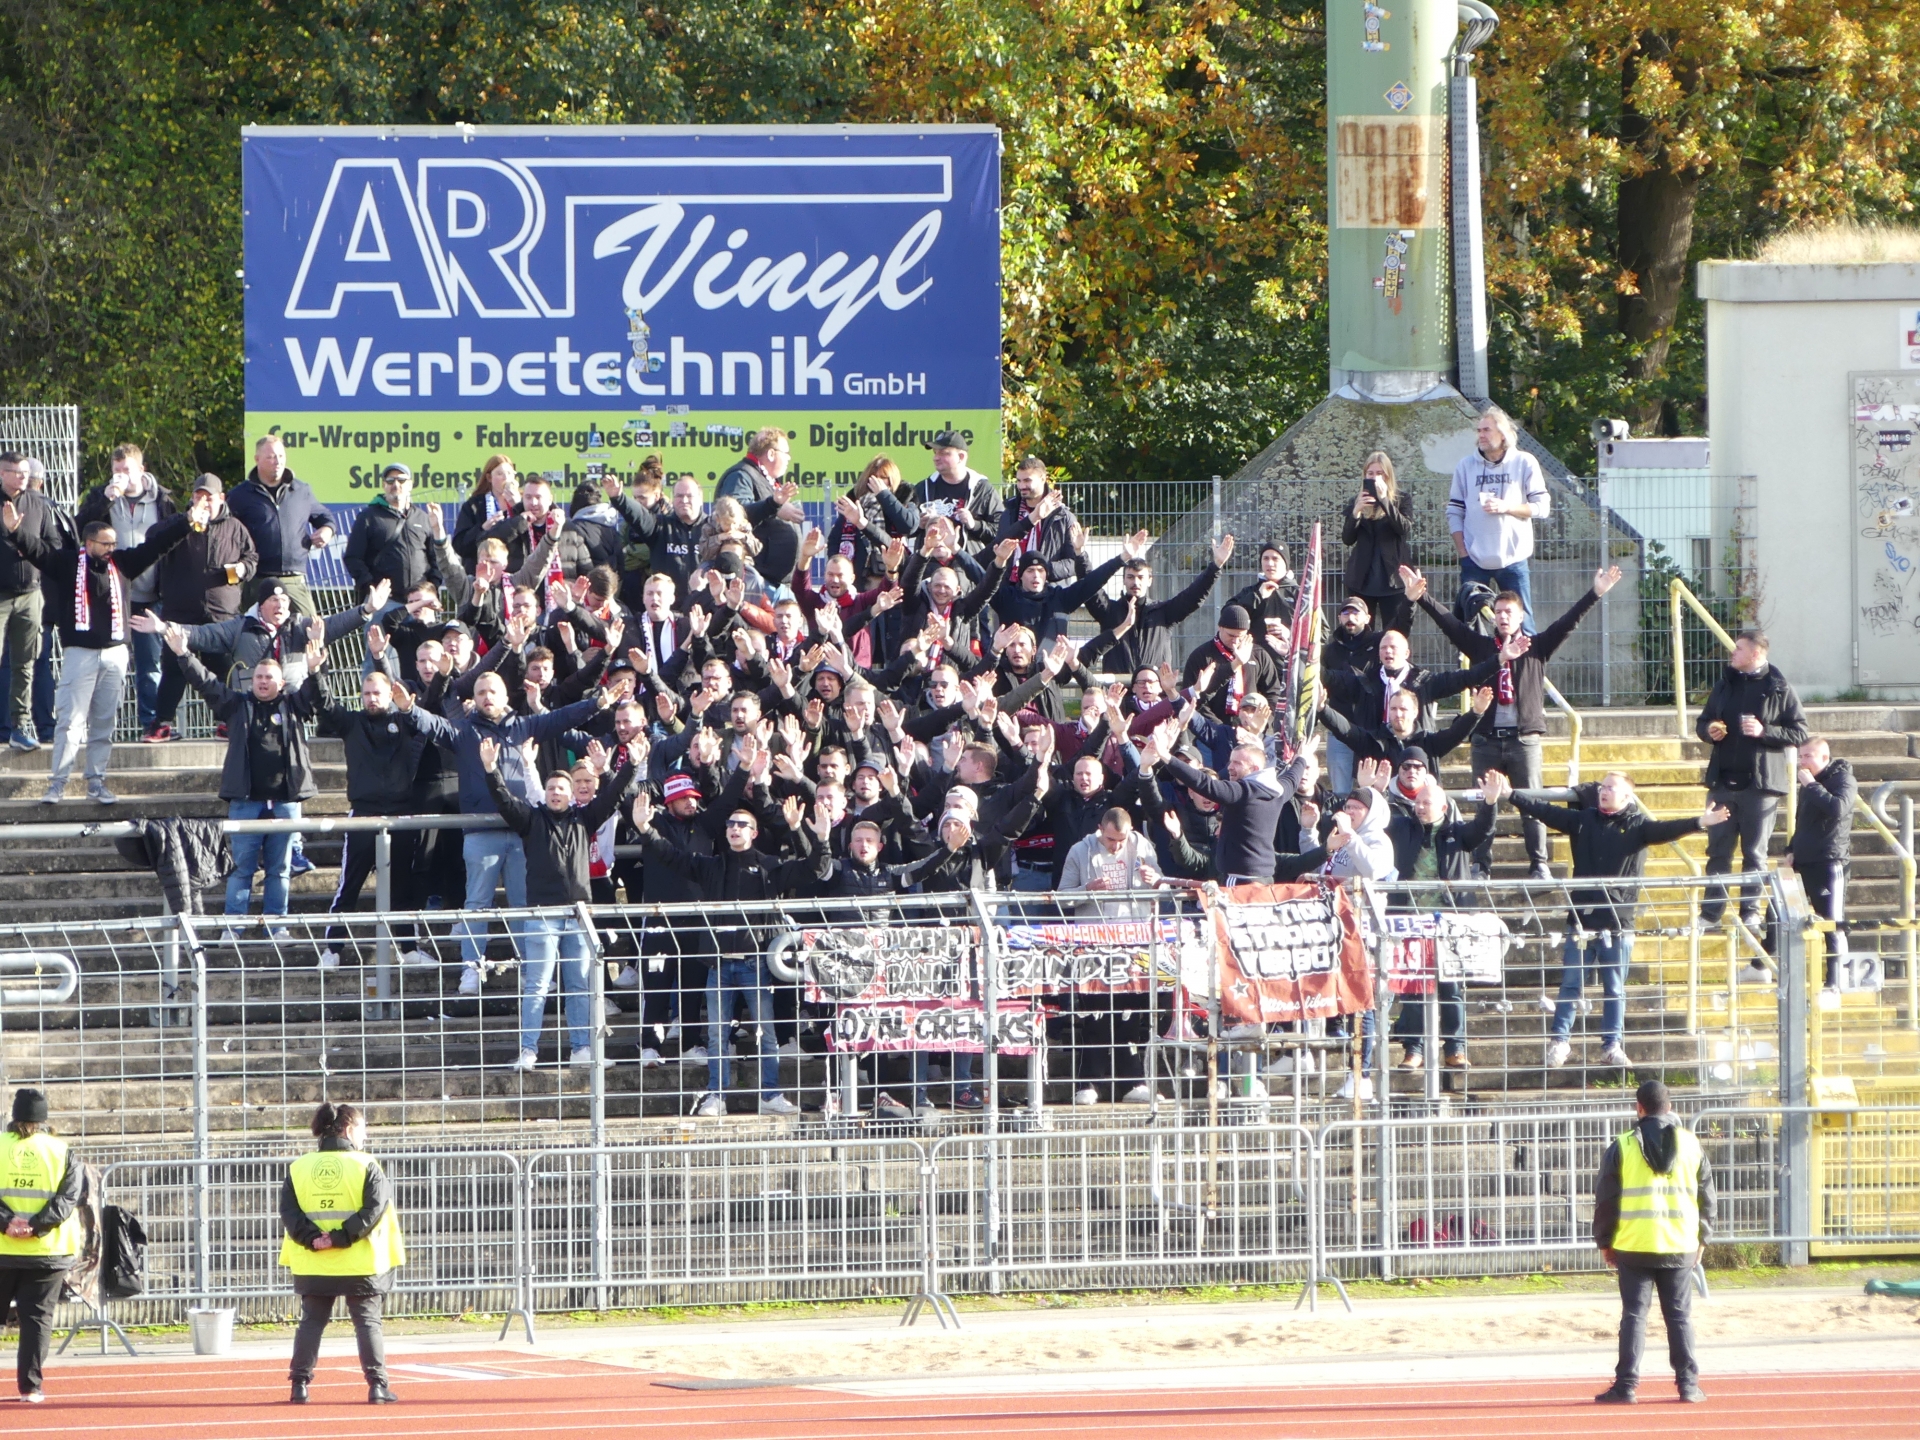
{"x":29,"y":1107}
{"x":1413,"y":754}
{"x":1235,"y":617}
{"x":1273,"y":545}
{"x":453,"y":626}
{"x":1033,"y":558}
{"x":273,"y":590}
{"x":1355,"y":602}
{"x":948,"y":440}
{"x":728,"y":563}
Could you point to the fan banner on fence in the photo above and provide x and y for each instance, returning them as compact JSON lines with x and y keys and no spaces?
{"x":1464,"y":947}
{"x":1289,"y":952}
{"x":960,"y":1026}
{"x":578,"y":295}
{"x":1088,"y":956}
{"x":851,"y":964}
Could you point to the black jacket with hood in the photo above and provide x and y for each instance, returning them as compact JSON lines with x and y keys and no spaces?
{"x":1823,"y":828}
{"x":1765,"y":762}
{"x":1660,"y":1145}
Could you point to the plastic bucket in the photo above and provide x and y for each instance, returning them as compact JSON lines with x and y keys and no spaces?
{"x":212,"y":1331}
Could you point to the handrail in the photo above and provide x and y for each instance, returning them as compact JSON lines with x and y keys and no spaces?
{"x":1573,"y":731}
{"x":1907,"y":873}
{"x":1679,"y":593}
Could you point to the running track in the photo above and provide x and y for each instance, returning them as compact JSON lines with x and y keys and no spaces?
{"x":487,"y":1394}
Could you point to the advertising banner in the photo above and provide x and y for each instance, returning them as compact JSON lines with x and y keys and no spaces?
{"x":587,"y":294}
{"x":1290,"y":952}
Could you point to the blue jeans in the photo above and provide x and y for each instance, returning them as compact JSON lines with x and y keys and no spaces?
{"x":727,"y":979}
{"x":1410,"y":1025}
{"x":1510,"y":577}
{"x":146,"y":683}
{"x":1608,"y":959}
{"x":494,"y":857}
{"x":541,"y":939}
{"x":1339,"y":765}
{"x":248,"y":853}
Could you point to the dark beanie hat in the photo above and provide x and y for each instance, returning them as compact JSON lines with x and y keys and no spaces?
{"x":30,"y":1107}
{"x":1234,"y":617}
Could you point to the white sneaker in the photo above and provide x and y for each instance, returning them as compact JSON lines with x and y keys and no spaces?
{"x":1345,"y":1092}
{"x":778,"y":1105}
{"x":1245,"y":1030}
{"x":649,"y":1058}
{"x":1757,"y":973}
{"x":581,"y":1058}
{"x":1086,"y":1095}
{"x":417,"y":959}
{"x":1615,"y":1055}
{"x":229,"y":936}
{"x":279,"y":933}
{"x":710,"y":1106}
{"x":1139,"y":1095}
{"x":329,"y":959}
{"x":1557,"y":1053}
{"x":526,"y":1060}
{"x":627,"y":979}
{"x":470,"y":980}
{"x":792,"y":1047}
{"x":696,"y":1056}
{"x":672,"y":1032}
{"x":34,"y":1397}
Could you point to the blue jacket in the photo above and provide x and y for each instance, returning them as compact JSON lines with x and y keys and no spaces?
{"x":463,"y":734}
{"x":279,"y":520}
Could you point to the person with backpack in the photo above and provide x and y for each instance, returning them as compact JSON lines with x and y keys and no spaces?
{"x":40,"y":1232}
{"x":342,"y":1241}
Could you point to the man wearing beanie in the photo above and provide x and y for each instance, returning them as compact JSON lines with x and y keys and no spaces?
{"x":40,"y":1235}
{"x":1223,"y":670}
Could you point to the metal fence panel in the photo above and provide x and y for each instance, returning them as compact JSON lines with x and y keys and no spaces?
{"x":213,"y":1234}
{"x":725,"y":1223}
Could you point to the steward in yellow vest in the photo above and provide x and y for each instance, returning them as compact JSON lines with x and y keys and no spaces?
{"x":40,"y":1232}
{"x":342,"y":1241}
{"x":1653,"y":1205}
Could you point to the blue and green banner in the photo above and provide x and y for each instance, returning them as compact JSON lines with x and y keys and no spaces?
{"x":587,"y":295}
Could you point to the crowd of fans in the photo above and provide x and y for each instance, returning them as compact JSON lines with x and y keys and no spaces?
{"x":643,"y":670}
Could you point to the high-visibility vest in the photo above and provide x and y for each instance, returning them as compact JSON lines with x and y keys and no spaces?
{"x":330,"y":1186}
{"x":31,"y":1169}
{"x":1659,"y":1214}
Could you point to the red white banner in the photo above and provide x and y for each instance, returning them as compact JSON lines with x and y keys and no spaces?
{"x":1290,"y":952}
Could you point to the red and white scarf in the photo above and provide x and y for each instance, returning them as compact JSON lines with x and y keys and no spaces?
{"x":660,"y":648}
{"x":83,"y":600}
{"x":1234,"y":686}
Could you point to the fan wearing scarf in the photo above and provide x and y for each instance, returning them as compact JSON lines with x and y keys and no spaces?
{"x":86,"y":589}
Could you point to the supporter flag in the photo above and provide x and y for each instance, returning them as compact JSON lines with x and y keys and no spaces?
{"x":1301,"y":698}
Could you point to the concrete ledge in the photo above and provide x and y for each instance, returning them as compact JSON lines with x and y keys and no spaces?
{"x":1753,"y":282}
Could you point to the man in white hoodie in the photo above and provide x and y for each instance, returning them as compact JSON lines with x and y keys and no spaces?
{"x":1498,"y":492}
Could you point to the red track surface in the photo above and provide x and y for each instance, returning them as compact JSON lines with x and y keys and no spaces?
{"x":246,"y":1400}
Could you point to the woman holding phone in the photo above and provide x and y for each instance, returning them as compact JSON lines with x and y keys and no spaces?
{"x":1378,"y":535}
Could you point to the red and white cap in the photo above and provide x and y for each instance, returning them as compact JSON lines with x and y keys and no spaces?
{"x":678,"y":785}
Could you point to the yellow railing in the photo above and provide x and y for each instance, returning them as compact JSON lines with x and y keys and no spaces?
{"x":1681,"y":595}
{"x":1907,"y":872}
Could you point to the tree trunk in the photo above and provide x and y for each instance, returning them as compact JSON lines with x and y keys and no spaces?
{"x":1654,"y":232}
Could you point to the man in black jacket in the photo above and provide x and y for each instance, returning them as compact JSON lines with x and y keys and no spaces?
{"x":21,"y":607}
{"x":672,"y":536}
{"x":200,"y":583}
{"x":1150,"y":640}
{"x":390,"y":540}
{"x":88,"y":600}
{"x":1820,"y":851}
{"x":286,"y":521}
{"x":1269,"y":600}
{"x":1250,"y":800}
{"x":953,"y":492}
{"x":1609,"y":842}
{"x":268,"y":772}
{"x":1754,"y":723}
{"x":1432,"y":842}
{"x":559,"y":842}
{"x":382,"y":745}
{"x":740,"y":872}
{"x":1509,"y":736}
{"x":1236,"y":664}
